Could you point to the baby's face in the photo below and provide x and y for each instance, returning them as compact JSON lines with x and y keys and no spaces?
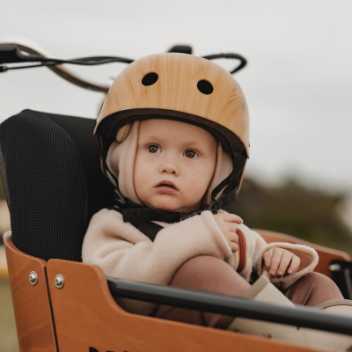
{"x":175,"y":163}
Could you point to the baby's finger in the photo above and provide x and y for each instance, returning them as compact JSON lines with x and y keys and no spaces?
{"x":275,"y":261}
{"x":295,"y":263}
{"x":267,"y":258}
{"x":233,"y":234}
{"x":232,"y":218}
{"x":234,"y":247}
{"x":284,"y":263}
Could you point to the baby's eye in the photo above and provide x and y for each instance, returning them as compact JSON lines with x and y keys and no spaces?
{"x":190,"y":153}
{"x":153,"y":148}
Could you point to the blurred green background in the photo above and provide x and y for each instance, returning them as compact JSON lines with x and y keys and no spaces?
{"x":8,"y":338}
{"x":317,"y":215}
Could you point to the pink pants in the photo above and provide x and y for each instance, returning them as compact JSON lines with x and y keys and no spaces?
{"x":210,"y":274}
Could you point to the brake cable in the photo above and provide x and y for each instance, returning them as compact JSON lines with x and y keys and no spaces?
{"x":16,"y":56}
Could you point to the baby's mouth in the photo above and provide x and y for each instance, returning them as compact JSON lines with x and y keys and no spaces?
{"x":167,"y":185}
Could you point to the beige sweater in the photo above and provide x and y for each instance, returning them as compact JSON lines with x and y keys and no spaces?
{"x":122,"y":251}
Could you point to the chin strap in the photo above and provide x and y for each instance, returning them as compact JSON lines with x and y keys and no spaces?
{"x":144,"y":218}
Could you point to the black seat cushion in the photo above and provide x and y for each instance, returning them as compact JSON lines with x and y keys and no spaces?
{"x":51,"y":173}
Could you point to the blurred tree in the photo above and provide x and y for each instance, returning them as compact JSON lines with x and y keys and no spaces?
{"x":295,"y":209}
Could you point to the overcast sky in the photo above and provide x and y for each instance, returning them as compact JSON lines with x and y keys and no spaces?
{"x":298,"y":82}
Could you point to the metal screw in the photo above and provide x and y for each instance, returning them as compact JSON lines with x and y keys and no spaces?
{"x":335,"y":267}
{"x":59,"y":281}
{"x":33,"y":278}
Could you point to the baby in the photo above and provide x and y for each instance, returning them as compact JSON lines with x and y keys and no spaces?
{"x":173,"y":135}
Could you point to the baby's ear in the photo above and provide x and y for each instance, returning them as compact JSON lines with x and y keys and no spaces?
{"x":123,"y":133}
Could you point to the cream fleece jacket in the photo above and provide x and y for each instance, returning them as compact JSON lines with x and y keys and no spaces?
{"x":122,"y":251}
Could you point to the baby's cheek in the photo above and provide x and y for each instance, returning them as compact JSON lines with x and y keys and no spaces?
{"x":199,"y":188}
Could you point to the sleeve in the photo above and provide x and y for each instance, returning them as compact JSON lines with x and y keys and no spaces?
{"x":123,"y":251}
{"x":309,"y":260}
{"x":256,"y":246}
{"x":253,"y":245}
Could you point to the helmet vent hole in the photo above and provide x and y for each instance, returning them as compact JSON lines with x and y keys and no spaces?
{"x":150,"y":78}
{"x":205,"y":86}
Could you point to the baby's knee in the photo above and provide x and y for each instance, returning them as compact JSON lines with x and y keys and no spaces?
{"x":319,"y":281}
{"x":322,"y":286}
{"x":314,"y":289}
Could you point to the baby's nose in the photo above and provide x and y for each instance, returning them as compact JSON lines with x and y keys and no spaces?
{"x":168,"y":169}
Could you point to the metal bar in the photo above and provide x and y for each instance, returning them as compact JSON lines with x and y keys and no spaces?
{"x":233,"y":306}
{"x":341,"y":272}
{"x":348,"y":280}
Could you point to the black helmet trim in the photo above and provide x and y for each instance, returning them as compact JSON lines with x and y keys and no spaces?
{"x":113,"y":122}
{"x":231,"y":143}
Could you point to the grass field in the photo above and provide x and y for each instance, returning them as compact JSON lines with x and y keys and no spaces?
{"x":8,"y":337}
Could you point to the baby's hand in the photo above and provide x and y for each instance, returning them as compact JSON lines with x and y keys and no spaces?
{"x":279,"y":262}
{"x":228,"y":224}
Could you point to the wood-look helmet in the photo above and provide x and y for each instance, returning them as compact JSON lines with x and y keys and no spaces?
{"x":182,"y":87}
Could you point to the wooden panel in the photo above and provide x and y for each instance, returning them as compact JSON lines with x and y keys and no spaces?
{"x":88,"y":319}
{"x":326,"y":255}
{"x":31,"y":303}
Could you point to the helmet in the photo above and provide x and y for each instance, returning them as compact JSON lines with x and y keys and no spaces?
{"x":186,"y":88}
